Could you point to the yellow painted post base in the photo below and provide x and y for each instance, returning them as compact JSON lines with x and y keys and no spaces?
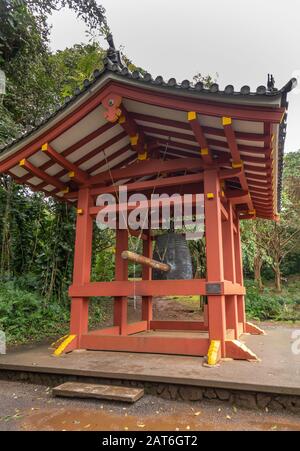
{"x":66,"y":341}
{"x":214,"y":353}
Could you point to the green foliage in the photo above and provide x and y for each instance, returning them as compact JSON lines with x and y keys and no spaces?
{"x":103,"y":255}
{"x":270,"y":305}
{"x":269,"y":244}
{"x":73,"y":65}
{"x":24,"y":316}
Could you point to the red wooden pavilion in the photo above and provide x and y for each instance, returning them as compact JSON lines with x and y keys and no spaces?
{"x":227,"y":145}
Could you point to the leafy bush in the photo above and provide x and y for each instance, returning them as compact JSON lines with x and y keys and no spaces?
{"x":25,"y":316}
{"x":270,"y":305}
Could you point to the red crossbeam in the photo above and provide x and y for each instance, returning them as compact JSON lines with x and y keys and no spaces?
{"x":74,"y":172}
{"x":37,"y":172}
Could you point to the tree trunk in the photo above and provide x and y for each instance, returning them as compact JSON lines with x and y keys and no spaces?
{"x":277,"y":277}
{"x":6,"y":237}
{"x":257,"y":271}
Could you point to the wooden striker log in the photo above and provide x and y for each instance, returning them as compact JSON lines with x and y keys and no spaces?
{"x":133,"y":257}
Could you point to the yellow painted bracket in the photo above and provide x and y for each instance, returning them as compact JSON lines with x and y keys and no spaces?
{"x":210,"y":195}
{"x":45,"y":147}
{"x":71,"y":174}
{"x":237,"y":164}
{"x":226,"y":121}
{"x":63,"y":345}
{"x":142,"y":156}
{"x":122,"y":119}
{"x":66,"y":190}
{"x":79,"y":211}
{"x":204,"y":151}
{"x":192,"y":115}
{"x":22,"y":162}
{"x":134,"y":139}
{"x":214,"y":352}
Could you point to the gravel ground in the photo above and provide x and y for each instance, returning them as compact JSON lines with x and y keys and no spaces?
{"x":32,"y":407}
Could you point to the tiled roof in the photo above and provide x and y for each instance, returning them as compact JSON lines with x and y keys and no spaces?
{"x":113,"y":64}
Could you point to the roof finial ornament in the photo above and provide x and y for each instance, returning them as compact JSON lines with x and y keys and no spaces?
{"x":271,"y":83}
{"x":112,"y":53}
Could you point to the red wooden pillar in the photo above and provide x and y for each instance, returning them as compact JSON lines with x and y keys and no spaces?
{"x":239,"y":276}
{"x":214,"y":256}
{"x":147,"y":275}
{"x":82,"y":264}
{"x":121,"y":273}
{"x":230,"y":271}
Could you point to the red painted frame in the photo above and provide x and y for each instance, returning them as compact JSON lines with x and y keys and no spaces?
{"x":225,"y":313}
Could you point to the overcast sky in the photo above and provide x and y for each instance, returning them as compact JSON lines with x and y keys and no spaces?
{"x":241,"y":40}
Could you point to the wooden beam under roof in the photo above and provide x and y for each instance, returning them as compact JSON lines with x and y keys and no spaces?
{"x":206,"y":130}
{"x":74,"y":172}
{"x":136,"y":134}
{"x":148,"y":167}
{"x":235,"y":154}
{"x":95,"y":151}
{"x":147,"y":184}
{"x":200,"y":137}
{"x":37,"y":172}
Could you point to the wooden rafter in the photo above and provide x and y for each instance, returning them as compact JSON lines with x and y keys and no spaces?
{"x":149,"y":167}
{"x":95,"y":151}
{"x":144,"y":185}
{"x":150,"y":131}
{"x":37,"y":172}
{"x":200,"y":137}
{"x":235,"y":154}
{"x":110,"y":158}
{"x":74,"y":172}
{"x":206,"y":130}
{"x":35,"y":188}
{"x":75,"y":147}
{"x":136,"y":134}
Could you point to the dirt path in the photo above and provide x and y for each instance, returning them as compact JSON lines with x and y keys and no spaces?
{"x":171,"y":308}
{"x":32,"y":407}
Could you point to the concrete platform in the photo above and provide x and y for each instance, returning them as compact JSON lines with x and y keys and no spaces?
{"x":277,"y":372}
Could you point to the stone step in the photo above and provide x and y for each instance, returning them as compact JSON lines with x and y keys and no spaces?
{"x":111,"y":392}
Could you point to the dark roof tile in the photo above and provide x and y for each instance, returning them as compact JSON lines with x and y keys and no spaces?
{"x":261,"y":90}
{"x":229,"y":89}
{"x":245,"y":90}
{"x":214,"y":88}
